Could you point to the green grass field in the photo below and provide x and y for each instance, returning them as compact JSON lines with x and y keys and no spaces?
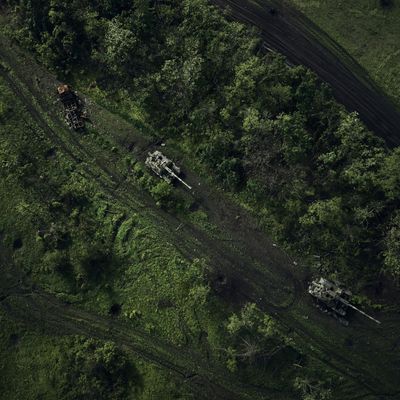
{"x":367,"y":31}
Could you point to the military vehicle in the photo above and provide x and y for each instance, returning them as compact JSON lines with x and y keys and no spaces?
{"x":72,"y":106}
{"x":333,"y":299}
{"x":164,"y":167}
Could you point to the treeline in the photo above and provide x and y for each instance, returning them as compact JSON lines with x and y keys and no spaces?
{"x":272,"y":133}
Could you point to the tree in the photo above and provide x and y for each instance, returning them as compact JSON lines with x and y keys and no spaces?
{"x":4,"y":109}
{"x":312,"y":390}
{"x":392,"y":248}
{"x":94,"y":370}
{"x":54,"y":261}
{"x":60,"y":42}
{"x":243,"y":90}
{"x":389,"y":175}
{"x":253,"y":335}
{"x":121,"y":46}
{"x":179,"y":82}
{"x":90,"y":260}
{"x":328,"y":229}
{"x":296,"y":141}
{"x":162,"y":194}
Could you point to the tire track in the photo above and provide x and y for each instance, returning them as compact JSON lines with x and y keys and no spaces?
{"x":45,"y":312}
{"x":203,"y":245}
{"x":252,"y":281}
{"x":292,"y":34}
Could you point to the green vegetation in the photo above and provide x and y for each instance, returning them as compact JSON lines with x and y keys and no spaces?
{"x":254,"y":335}
{"x":74,"y":242}
{"x":107,"y":254}
{"x":270,"y":133}
{"x":80,"y":225}
{"x":37,"y":366}
{"x":368,"y":29}
{"x":312,"y":390}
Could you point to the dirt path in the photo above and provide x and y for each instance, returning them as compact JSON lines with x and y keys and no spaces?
{"x":45,"y":313}
{"x":292,"y":34}
{"x":257,"y":270}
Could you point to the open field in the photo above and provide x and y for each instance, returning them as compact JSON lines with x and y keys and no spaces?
{"x":367,"y":31}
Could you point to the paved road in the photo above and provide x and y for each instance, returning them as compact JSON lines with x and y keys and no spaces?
{"x":293,"y":35}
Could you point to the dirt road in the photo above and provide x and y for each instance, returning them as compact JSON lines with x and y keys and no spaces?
{"x":292,"y":34}
{"x":209,"y":381}
{"x":258,"y":271}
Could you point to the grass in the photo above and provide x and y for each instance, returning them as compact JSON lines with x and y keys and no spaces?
{"x":32,"y":366}
{"x":157,"y":288}
{"x":369,"y":33}
{"x":146,"y":273}
{"x":26,"y":360}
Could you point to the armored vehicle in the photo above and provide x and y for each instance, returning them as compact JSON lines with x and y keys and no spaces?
{"x":72,"y":106}
{"x":331,"y":297}
{"x":164,"y":167}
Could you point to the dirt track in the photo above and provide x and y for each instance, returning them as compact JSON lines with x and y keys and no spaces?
{"x":361,"y":364}
{"x":205,"y":378}
{"x":290,"y":33}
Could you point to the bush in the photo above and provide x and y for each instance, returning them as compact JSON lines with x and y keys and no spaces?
{"x":95,"y":370}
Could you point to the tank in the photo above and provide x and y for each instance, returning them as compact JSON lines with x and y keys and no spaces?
{"x":333,"y":298}
{"x":72,"y":107}
{"x":162,"y":166}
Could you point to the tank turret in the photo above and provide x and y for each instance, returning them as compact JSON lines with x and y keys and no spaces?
{"x":164,"y":167}
{"x":331,"y":297}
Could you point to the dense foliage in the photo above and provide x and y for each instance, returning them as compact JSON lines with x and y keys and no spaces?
{"x":96,"y":370}
{"x":62,"y":232}
{"x":271,"y":134}
{"x":68,"y":368}
{"x":268,"y":131}
{"x":254,"y":337}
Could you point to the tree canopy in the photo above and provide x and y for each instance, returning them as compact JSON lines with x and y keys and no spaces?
{"x":272,"y":132}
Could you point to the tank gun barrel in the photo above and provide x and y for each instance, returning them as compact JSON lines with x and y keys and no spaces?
{"x":172,"y":173}
{"x":360,"y":311}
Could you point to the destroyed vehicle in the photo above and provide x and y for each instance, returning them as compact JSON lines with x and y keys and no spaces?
{"x":164,"y":167}
{"x":332,"y":298}
{"x":72,"y":106}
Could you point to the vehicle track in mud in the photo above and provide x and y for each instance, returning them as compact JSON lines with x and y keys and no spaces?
{"x":192,"y":250}
{"x":250,"y":283}
{"x":47,"y":314}
{"x":204,"y":244}
{"x":289,"y":32}
{"x":53,"y":136}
